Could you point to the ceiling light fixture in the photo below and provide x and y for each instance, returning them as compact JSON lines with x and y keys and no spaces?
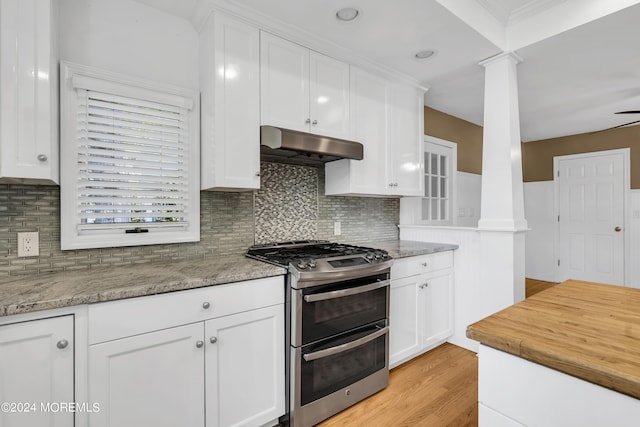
{"x":347,"y":14}
{"x":424,"y":55}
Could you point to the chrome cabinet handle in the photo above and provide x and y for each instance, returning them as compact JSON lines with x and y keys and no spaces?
{"x":206,"y":305}
{"x":424,"y":264}
{"x":346,"y":292}
{"x":199,"y":344}
{"x":62,"y":344}
{"x":42,"y":157}
{"x":257,"y":173}
{"x":307,"y":121}
{"x":315,"y":122}
{"x":344,"y":347}
{"x":617,"y":229}
{"x":213,"y":340}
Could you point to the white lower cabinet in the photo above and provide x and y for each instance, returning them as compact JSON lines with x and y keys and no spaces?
{"x":223,"y":368}
{"x":421,"y":313}
{"x":37,"y":372}
{"x":245,"y":368}
{"x":154,"y":379}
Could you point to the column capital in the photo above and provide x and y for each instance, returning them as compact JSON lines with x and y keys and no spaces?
{"x":495,"y":58}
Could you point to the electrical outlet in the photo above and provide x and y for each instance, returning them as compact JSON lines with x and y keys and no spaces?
{"x":28,"y":244}
{"x":337,"y":228}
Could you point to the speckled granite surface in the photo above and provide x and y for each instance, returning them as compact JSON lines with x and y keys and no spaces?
{"x":407,"y":248}
{"x":59,"y":290}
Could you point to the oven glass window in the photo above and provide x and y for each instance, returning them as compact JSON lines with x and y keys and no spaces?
{"x":328,"y":317}
{"x":321,"y":377}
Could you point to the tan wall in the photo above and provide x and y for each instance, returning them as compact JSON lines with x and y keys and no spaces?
{"x":537,"y":156}
{"x":467,"y":135}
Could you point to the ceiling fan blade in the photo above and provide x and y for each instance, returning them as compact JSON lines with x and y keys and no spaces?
{"x":619,"y":126}
{"x":629,"y":112}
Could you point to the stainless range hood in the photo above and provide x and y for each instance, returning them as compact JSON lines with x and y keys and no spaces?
{"x":290,"y":146}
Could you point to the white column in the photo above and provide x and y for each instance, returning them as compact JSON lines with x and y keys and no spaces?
{"x":502,"y":223}
{"x":502,"y":192}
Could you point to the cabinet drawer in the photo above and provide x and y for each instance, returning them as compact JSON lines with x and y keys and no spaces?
{"x":123,"y":318}
{"x":405,"y":267}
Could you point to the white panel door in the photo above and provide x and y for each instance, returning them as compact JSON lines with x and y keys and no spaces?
{"x":591,"y":202}
{"x":404,"y":148}
{"x":154,"y":379}
{"x":245,"y":368}
{"x":404,"y":327}
{"x":329,"y":96}
{"x":284,"y":83}
{"x":369,"y":126}
{"x":36,"y":368}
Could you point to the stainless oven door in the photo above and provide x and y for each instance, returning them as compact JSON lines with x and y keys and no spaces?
{"x":324,"y":311}
{"x":334,"y":374}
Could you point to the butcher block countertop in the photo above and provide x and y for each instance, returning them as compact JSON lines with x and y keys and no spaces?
{"x":588,"y":330}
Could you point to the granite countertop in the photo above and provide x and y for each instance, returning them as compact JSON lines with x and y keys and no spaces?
{"x":407,"y":248}
{"x":57,"y":290}
{"x":588,"y":330}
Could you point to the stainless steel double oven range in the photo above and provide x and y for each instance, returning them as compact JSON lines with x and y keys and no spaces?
{"x":337,"y":328}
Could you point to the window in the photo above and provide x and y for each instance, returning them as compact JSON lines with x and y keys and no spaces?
{"x":439,"y":172}
{"x":129,"y":156}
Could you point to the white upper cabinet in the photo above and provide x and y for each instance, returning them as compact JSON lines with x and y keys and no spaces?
{"x":28,"y":92}
{"x":230,"y":85}
{"x":302,"y":90}
{"x":387,"y":118}
{"x":369,"y":126}
{"x":404,"y":148}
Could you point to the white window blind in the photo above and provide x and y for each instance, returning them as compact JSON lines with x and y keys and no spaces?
{"x":132,"y":161}
{"x":130,"y":165}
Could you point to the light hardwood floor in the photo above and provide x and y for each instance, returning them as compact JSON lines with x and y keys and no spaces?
{"x":437,"y":389}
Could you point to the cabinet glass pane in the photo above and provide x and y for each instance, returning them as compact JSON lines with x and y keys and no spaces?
{"x":434,"y":209}
{"x":427,"y":187}
{"x":434,"y":164}
{"x":443,"y":165}
{"x":427,"y":163}
{"x":443,"y":209}
{"x":443,"y":187}
{"x":434,"y":186}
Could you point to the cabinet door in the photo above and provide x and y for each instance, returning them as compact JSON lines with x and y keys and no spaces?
{"x":329,"y":96}
{"x":154,"y":379}
{"x":230,"y":74}
{"x":36,"y":367}
{"x":404,"y":328}
{"x":404,"y":149}
{"x":245,"y":368}
{"x":284,"y":83}
{"x":369,"y":99}
{"x":438,"y":305}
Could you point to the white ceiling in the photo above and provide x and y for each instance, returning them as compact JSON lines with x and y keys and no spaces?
{"x":570,"y":83}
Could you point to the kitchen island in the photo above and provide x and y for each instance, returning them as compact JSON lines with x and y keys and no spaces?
{"x":568,"y":356}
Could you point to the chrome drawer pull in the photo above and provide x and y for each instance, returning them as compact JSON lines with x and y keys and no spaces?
{"x":344,"y":347}
{"x":345,"y":292}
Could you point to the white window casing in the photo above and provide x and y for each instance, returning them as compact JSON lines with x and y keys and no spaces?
{"x":129,"y":160}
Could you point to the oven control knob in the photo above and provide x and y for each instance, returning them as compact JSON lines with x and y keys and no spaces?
{"x":370,"y":255}
{"x":311,"y":263}
{"x":302,"y":264}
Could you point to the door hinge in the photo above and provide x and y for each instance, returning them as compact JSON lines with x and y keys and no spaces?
{"x":558,"y":172}
{"x":558,"y":218}
{"x":558,"y":263}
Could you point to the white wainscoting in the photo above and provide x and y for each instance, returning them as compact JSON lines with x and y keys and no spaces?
{"x":468,"y":292}
{"x":540,"y":257}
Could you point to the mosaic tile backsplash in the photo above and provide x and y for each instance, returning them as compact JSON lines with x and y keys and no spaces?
{"x":290,"y":205}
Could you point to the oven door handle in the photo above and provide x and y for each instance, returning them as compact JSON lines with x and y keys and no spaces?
{"x":346,"y":292}
{"x":344,"y":347}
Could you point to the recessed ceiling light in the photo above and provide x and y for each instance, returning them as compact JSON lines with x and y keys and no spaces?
{"x":347,"y":14}
{"x":424,"y":55}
